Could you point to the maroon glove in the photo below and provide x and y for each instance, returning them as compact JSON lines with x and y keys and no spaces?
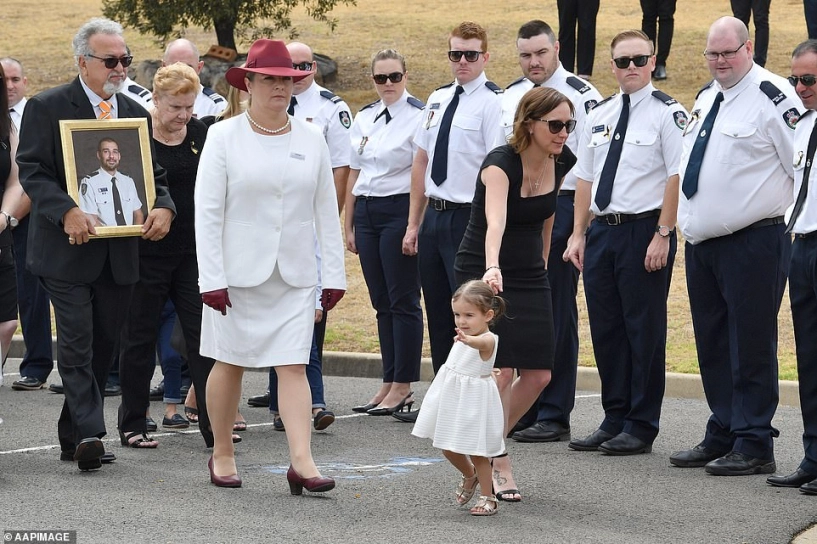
{"x":218,"y":300}
{"x":330,"y":297}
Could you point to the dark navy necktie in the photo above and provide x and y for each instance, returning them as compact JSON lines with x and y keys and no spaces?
{"x":604,"y":193}
{"x":117,"y":204}
{"x":292,"y":103}
{"x":385,"y":113}
{"x":439,"y":165}
{"x":696,"y":156}
{"x":803,"y":192}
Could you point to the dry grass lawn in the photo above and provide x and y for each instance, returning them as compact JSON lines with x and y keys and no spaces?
{"x":40,"y":36}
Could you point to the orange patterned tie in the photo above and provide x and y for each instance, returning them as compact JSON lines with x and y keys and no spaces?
{"x":104,"y":110}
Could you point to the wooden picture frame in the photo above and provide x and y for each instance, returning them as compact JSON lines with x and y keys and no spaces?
{"x":96,"y":151}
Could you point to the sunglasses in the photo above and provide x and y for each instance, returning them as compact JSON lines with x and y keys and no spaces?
{"x":556,"y":127}
{"x":470,"y":56}
{"x":302,"y":66}
{"x":711,"y":55}
{"x":624,"y":62}
{"x":111,"y":62}
{"x":807,"y":80}
{"x":394,"y":77}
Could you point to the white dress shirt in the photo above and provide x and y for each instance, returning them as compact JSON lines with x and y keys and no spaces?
{"x":475,"y":130}
{"x":581,"y":93}
{"x":139,"y":94}
{"x":95,"y":100}
{"x":16,"y":112}
{"x":384,"y":152}
{"x":807,"y":220}
{"x":649,"y":156}
{"x":208,"y":103}
{"x":330,"y":113}
{"x":746,"y":173}
{"x":96,"y":197}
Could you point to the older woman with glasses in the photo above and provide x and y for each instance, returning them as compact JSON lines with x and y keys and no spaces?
{"x":506,"y":244}
{"x":264,"y":192}
{"x":377,"y":207}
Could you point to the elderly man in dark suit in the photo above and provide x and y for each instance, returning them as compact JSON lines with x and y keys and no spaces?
{"x":90,"y":283}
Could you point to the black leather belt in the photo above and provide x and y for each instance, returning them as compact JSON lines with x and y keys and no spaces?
{"x":806,"y":235}
{"x":613,"y":219}
{"x":443,"y":205}
{"x":768,"y":222}
{"x":399,"y":196}
{"x":567,"y":192}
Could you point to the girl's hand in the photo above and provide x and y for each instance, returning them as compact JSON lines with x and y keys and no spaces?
{"x":493,"y":277}
{"x":461,"y":337}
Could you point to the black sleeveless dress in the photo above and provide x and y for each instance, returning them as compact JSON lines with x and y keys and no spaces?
{"x":526,"y":331}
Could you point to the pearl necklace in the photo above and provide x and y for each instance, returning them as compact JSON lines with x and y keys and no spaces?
{"x":267,"y":130}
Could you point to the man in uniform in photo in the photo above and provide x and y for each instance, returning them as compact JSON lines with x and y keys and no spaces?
{"x":108,"y":196}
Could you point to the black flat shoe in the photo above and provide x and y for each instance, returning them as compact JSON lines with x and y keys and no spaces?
{"x":590,"y":443}
{"x":795,"y":479}
{"x":543,"y":431}
{"x":698,"y":456}
{"x":364,"y":408}
{"x":403,"y":405}
{"x":323,"y":419}
{"x":809,"y":488}
{"x":259,"y":401}
{"x":625,"y":444}
{"x":739,"y":464}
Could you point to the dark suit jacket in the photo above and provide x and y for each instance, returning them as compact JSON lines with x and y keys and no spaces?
{"x":42,"y":174}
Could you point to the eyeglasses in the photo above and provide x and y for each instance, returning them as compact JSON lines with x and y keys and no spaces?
{"x":711,"y":55}
{"x":111,"y":62}
{"x":470,"y":56}
{"x":394,"y":77}
{"x":302,"y":66}
{"x":807,"y":80}
{"x":556,"y":127}
{"x":624,"y":62}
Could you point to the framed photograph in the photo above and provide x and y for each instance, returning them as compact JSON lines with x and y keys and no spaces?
{"x":109,"y":172}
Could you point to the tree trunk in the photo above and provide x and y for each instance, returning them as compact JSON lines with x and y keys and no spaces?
{"x":225,"y":32}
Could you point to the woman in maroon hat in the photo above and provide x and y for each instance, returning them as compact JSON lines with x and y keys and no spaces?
{"x":264,"y":194}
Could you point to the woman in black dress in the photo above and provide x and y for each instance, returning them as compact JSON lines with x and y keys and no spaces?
{"x":506,"y":244}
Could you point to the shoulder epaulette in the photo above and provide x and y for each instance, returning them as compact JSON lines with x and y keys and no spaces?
{"x":612,"y":96}
{"x":208,"y":92}
{"x":577,"y":84}
{"x":329,"y":95}
{"x":373,"y":104}
{"x":417,"y":103}
{"x":138,"y":90}
{"x":444,"y":86}
{"x":771,"y":90}
{"x":705,"y":87}
{"x":664,"y":97}
{"x":494,"y":87}
{"x":515,"y":81}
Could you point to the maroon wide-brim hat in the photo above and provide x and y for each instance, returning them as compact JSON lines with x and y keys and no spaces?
{"x":269,"y":57}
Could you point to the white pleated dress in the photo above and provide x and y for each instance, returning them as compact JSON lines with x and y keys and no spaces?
{"x":462,"y":411}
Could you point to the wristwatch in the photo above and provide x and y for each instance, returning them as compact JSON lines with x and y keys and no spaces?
{"x":664,"y":231}
{"x":11,"y":221}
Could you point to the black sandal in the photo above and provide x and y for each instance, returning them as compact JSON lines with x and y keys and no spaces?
{"x":125,"y":440}
{"x":505,"y":495}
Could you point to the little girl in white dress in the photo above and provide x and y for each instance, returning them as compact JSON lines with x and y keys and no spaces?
{"x":462,"y":411}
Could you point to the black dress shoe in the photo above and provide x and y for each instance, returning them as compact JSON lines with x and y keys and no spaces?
{"x":660,"y":72}
{"x":158,"y":392}
{"x":625,"y":444}
{"x":809,"y":488}
{"x":795,"y":479}
{"x":89,"y":453}
{"x":112,"y":390}
{"x":259,"y":401}
{"x":543,"y":431}
{"x":739,"y":464}
{"x":323,"y":419}
{"x":363,"y":408}
{"x":590,"y":443}
{"x":107,"y":458}
{"x":698,"y":456}
{"x":406,"y":417}
{"x":27,"y":384}
{"x":56,"y":388}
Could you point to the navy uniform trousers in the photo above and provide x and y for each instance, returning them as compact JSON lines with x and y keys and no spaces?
{"x":627,"y":310}
{"x":803,"y":296}
{"x":35,"y":313}
{"x":736,"y":285}
{"x":393,"y":280}
{"x":438,"y":241}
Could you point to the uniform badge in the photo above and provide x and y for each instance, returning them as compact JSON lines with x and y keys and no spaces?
{"x":103,"y":190}
{"x":791,"y":117}
{"x":680,"y":119}
{"x":797,"y":164}
{"x":363,"y":143}
{"x":430,"y":117}
{"x":589,"y":105}
{"x":596,"y":129}
{"x":693,"y":120}
{"x":607,"y":132}
{"x":345,"y":119}
{"x":84,"y":188}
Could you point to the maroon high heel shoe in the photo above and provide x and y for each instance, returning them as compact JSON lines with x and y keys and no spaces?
{"x":316,"y":485}
{"x":223,"y":481}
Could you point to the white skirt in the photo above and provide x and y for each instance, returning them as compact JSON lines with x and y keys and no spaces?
{"x":268,"y":325}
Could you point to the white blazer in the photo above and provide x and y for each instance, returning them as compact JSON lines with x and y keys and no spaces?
{"x":255,"y":211}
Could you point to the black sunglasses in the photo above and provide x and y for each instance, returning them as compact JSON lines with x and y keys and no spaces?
{"x":807,"y":80}
{"x":302,"y":66}
{"x":394,"y":77}
{"x":624,"y":62}
{"x":111,"y":62}
{"x":470,"y":56}
{"x":556,"y":127}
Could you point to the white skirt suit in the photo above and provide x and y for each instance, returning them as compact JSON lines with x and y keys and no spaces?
{"x":260,"y":204}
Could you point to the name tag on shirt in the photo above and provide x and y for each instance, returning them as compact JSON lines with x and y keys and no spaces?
{"x":596,"y":129}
